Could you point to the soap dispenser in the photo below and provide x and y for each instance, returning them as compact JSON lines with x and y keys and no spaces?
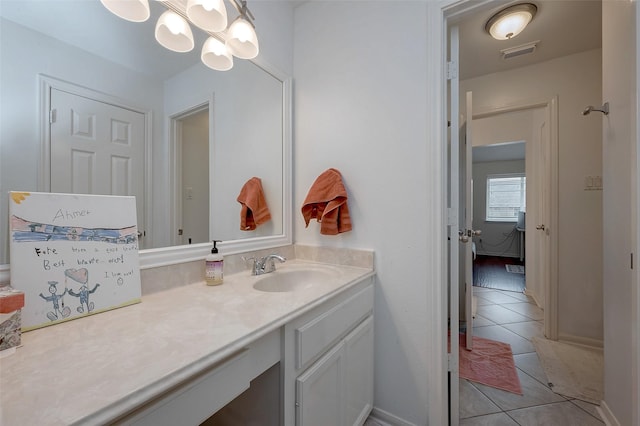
{"x":214,"y":266}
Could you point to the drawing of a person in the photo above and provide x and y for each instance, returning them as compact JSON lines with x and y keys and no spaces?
{"x":84,"y":297}
{"x":57,"y":300}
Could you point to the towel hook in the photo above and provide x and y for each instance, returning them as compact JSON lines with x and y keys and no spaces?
{"x":603,"y":109}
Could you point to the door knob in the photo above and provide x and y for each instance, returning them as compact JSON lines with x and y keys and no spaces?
{"x":476,"y":232}
{"x":541,"y":227}
{"x":463,"y":237}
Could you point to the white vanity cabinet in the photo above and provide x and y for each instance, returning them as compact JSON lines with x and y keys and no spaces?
{"x":328,"y":361}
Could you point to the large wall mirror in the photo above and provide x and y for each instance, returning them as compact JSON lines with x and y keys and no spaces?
{"x":205,"y":132}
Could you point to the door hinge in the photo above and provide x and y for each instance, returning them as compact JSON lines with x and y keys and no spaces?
{"x":452,"y":70}
{"x":631,"y":260}
{"x":52,"y":116}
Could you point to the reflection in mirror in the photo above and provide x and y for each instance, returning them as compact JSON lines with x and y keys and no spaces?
{"x":78,"y":47}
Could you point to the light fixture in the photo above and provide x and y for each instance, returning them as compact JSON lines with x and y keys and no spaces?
{"x":510,"y":22}
{"x":131,"y":10}
{"x":216,"y":55}
{"x":174,"y":33}
{"x":210,"y":15}
{"x":243,"y":40}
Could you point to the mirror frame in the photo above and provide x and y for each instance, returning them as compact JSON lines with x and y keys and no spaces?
{"x":171,"y":255}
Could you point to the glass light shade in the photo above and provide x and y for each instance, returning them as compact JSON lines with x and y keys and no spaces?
{"x":242,"y":39}
{"x":174,"y":33}
{"x":131,"y":10}
{"x":510,"y":22}
{"x":210,"y":15}
{"x":216,"y":55}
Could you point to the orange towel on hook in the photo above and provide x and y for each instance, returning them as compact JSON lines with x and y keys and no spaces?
{"x":327,"y":203}
{"x":254,"y":210}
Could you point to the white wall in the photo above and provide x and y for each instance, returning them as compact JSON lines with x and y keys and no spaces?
{"x":620,"y":197}
{"x":361,"y":106}
{"x":576,"y":80}
{"x":25,"y":54}
{"x":498,"y":238}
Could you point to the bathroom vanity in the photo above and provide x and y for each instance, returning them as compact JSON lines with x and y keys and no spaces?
{"x":184,"y":353}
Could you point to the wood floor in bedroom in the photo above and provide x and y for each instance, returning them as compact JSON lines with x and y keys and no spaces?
{"x":491,"y":272}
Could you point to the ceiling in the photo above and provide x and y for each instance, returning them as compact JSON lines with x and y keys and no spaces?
{"x":564,"y":27}
{"x":90,"y":26}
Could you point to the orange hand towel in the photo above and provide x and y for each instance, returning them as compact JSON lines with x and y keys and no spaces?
{"x":327,"y":203}
{"x":254,"y":210}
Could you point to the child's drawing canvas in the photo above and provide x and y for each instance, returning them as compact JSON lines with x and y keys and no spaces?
{"x":73,"y":255}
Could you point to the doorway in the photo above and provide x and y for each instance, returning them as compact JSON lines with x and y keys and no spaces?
{"x":190,"y":139}
{"x":516,"y":97}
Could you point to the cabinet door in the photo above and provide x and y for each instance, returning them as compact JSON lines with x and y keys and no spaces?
{"x":319,"y":391}
{"x":359,"y":373}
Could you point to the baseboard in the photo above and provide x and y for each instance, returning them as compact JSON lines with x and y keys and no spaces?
{"x":584,"y":341}
{"x":386,"y":418}
{"x":533,"y":296}
{"x":606,"y":415}
{"x":497,"y":254}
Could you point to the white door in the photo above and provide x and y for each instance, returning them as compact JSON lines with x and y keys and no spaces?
{"x":453,"y":227}
{"x":319,"y":391}
{"x":97,"y":148}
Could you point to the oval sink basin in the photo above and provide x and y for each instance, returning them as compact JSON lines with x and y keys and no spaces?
{"x":281,"y":281}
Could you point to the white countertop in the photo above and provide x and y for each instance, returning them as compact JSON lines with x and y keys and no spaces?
{"x":97,"y":368}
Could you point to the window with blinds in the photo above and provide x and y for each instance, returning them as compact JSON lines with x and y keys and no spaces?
{"x":505,"y":197}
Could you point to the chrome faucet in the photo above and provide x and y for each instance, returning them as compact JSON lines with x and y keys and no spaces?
{"x":266,"y":264}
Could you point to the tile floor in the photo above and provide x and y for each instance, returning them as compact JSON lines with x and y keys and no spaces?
{"x":512,"y":318}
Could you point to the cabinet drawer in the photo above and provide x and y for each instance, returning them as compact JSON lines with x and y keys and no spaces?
{"x":317,"y":335}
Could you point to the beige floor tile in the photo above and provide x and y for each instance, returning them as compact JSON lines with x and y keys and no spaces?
{"x":500,"y":419}
{"x":519,"y":345}
{"x":497,"y":296}
{"x":534,"y":393}
{"x":474,"y":403}
{"x":527,"y":309}
{"x":479,"y":321}
{"x":562,"y":413}
{"x":482,"y":301}
{"x":528,"y":330}
{"x":530,"y":364}
{"x":520,"y":296}
{"x":500,"y":315}
{"x":587,"y":406}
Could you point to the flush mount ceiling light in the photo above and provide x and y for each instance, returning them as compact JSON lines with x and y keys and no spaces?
{"x":174,"y":32}
{"x":510,"y":22}
{"x":131,"y":10}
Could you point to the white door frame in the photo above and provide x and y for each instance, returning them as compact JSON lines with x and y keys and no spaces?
{"x":46,"y":84}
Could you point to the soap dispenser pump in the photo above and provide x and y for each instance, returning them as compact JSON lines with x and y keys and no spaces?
{"x":214,"y":266}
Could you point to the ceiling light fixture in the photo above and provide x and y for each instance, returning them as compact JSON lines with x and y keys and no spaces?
{"x":174,"y":32}
{"x":510,"y":22}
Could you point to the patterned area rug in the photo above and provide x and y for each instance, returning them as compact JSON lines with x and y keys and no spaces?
{"x":515,"y":269}
{"x":489,"y":363}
